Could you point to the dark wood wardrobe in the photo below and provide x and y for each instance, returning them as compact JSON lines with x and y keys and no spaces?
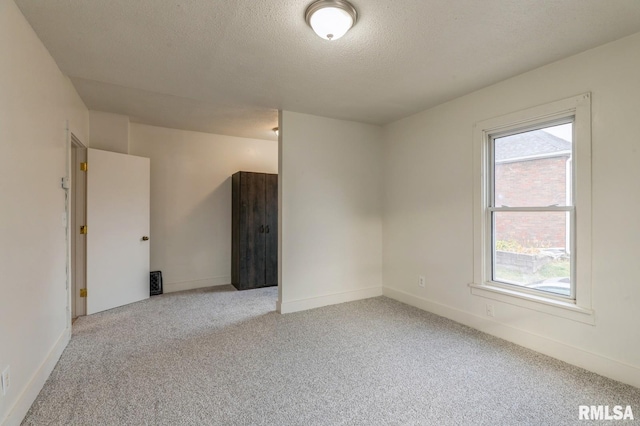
{"x":254,"y":228}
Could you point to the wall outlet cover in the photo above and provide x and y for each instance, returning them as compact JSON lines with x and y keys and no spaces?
{"x":490,"y":311}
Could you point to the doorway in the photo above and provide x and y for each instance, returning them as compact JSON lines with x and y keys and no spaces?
{"x":78,"y":210}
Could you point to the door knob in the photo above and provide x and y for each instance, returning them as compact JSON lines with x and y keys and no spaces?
{"x":267,"y":229}
{"x":145,"y":238}
{"x":262,"y":229}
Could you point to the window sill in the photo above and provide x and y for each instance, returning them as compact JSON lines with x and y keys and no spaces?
{"x":554,"y":307}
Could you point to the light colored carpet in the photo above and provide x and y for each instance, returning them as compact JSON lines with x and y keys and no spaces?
{"x":221,"y":357}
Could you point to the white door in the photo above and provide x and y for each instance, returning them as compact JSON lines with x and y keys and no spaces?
{"x":117,"y":229}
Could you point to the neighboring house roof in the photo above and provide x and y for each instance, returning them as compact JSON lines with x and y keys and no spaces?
{"x":537,"y":143}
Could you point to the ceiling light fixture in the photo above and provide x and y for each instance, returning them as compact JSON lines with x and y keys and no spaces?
{"x":275,"y":130}
{"x":331,"y":19}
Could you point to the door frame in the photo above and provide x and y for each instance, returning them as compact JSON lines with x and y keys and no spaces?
{"x":75,"y":213}
{"x":79,"y":241}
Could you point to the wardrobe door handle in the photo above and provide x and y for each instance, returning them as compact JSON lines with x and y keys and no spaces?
{"x":267,"y":229}
{"x":262,"y":229}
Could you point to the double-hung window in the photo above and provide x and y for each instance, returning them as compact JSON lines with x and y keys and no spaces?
{"x":532,"y":208}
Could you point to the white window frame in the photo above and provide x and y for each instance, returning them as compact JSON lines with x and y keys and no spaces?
{"x":578,"y":109}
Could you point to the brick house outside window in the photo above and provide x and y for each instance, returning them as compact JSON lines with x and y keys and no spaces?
{"x":532,"y":169}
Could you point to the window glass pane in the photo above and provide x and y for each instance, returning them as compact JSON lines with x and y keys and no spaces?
{"x":531,"y":249}
{"x":533,"y":169}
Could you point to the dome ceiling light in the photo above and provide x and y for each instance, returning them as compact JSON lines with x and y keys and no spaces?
{"x":331,"y":19}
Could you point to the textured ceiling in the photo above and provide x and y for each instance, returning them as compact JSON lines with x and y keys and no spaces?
{"x":226,"y":67}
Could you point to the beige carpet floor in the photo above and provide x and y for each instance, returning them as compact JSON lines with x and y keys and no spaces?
{"x":221,"y":357}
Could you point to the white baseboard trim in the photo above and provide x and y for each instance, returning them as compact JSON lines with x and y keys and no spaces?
{"x":194,"y":284}
{"x":599,"y":364}
{"x":36,"y":382}
{"x":326,"y":300}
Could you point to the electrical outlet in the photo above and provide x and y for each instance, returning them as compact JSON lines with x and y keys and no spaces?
{"x":6,"y":380}
{"x":490,"y":311}
{"x":421,"y":281}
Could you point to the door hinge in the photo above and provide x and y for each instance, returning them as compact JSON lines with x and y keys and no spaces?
{"x":84,"y":167}
{"x":83,"y":292}
{"x":83,"y":229}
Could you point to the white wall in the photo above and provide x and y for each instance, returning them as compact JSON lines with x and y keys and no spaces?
{"x":331,"y":211}
{"x":428,"y":227}
{"x":35,"y":103}
{"x":191,"y":199}
{"x":109,"y":132}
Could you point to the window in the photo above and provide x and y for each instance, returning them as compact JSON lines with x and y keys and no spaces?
{"x":532,"y":208}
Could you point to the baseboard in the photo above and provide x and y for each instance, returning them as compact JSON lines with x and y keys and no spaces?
{"x":169,"y":287}
{"x":34,"y":386}
{"x":599,"y":364}
{"x":326,"y":300}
